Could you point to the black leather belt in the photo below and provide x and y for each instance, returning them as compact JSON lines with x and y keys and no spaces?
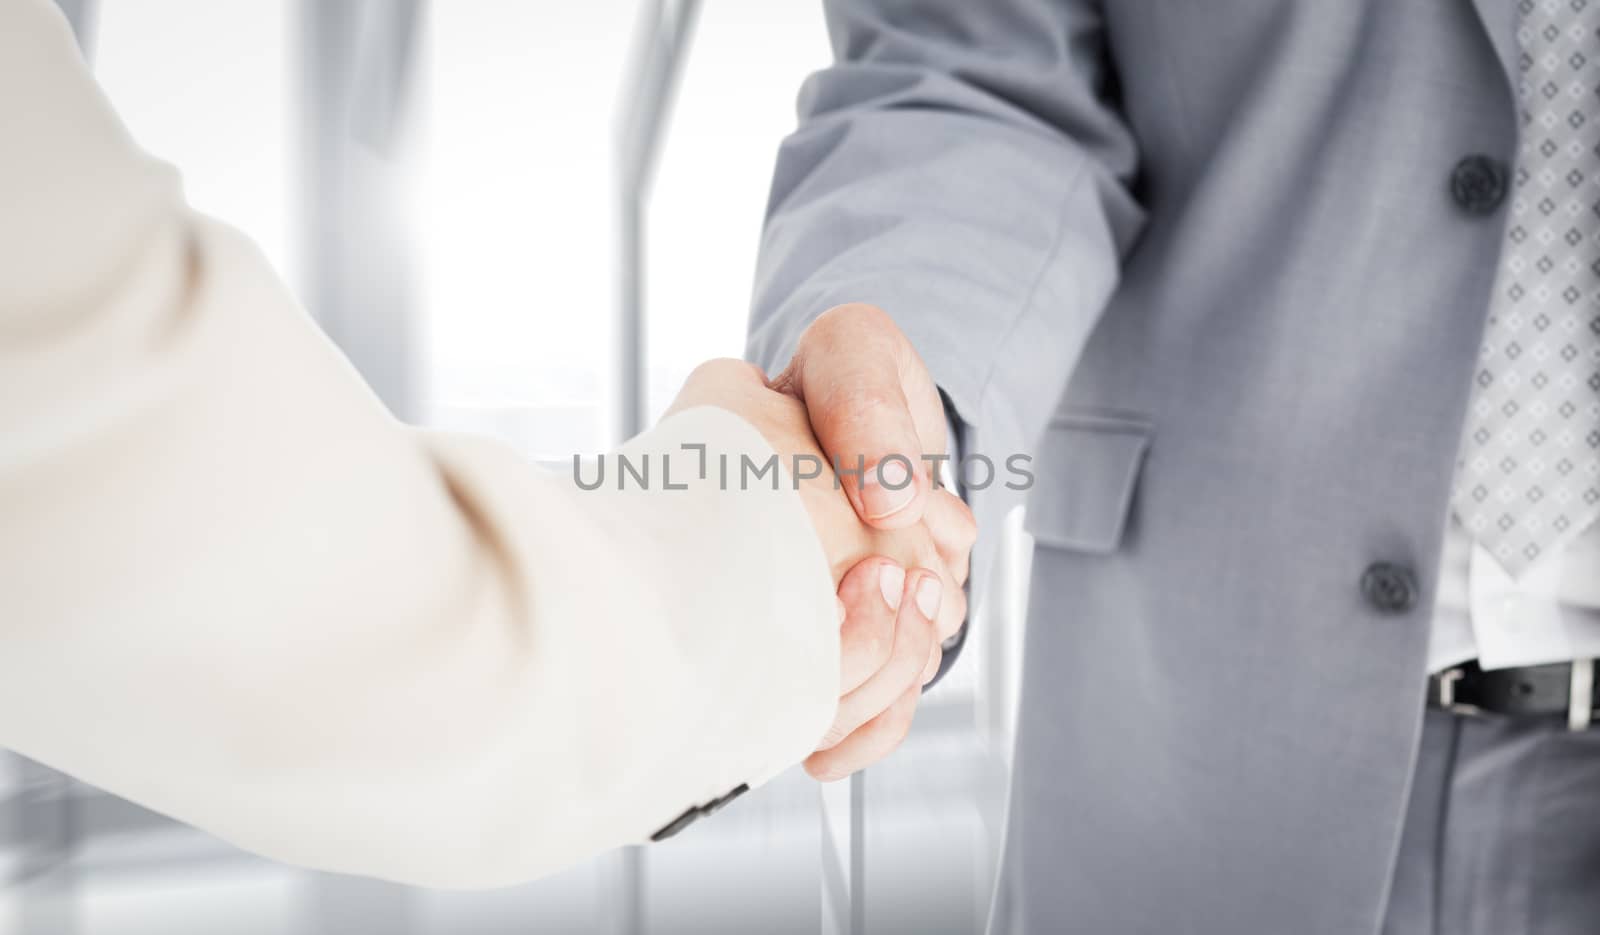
{"x":1532,"y":691}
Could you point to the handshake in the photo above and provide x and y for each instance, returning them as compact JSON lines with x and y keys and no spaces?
{"x":856,"y":395}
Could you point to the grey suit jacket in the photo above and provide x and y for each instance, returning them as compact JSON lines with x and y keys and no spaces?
{"x":1205,"y":261}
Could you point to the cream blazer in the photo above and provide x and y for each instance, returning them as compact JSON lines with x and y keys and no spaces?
{"x":234,"y":590}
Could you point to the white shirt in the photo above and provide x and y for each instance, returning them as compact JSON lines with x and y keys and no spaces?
{"x":1551,"y":615}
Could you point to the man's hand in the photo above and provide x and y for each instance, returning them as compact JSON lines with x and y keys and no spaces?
{"x":890,"y":636}
{"x":869,"y":398}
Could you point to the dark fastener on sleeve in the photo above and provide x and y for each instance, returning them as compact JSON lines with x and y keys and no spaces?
{"x":695,"y":812}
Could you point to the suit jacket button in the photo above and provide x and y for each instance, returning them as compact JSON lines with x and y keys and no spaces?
{"x":1478,"y":184}
{"x":1389,"y":588}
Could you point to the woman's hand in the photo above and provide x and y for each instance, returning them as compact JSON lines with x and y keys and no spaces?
{"x":900,"y":590}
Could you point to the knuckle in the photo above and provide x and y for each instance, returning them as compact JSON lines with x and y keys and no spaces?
{"x":853,"y":315}
{"x":823,"y":331}
{"x":851,"y":326}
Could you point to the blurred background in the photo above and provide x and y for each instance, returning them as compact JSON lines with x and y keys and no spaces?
{"x":528,"y":220}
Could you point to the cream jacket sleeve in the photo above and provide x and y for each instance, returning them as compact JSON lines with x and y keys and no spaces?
{"x":234,"y":590}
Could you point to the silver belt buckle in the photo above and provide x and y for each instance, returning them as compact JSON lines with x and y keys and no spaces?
{"x":1580,"y":700}
{"x":1447,"y":694}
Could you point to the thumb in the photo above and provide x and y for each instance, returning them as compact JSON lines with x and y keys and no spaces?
{"x":850,"y":373}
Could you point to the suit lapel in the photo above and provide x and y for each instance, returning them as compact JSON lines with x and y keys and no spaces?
{"x":1499,"y":19}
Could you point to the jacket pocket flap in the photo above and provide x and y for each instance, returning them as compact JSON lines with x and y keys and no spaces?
{"x":1085,"y":475}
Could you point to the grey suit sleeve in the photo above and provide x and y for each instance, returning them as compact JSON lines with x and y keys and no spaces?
{"x":961,"y":166}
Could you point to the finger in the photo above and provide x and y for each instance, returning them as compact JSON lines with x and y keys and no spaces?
{"x":954,"y":530}
{"x":869,"y":594}
{"x":850,"y":373}
{"x":935,"y":658}
{"x":872,"y":742}
{"x":951,"y":606}
{"x":913,"y":639}
{"x":712,"y":382}
{"x":952,"y":612}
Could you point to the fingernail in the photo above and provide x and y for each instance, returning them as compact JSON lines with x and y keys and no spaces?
{"x":887,"y":489}
{"x":892,"y":582}
{"x":928,"y":597}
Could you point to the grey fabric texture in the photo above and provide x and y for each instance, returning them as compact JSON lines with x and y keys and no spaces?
{"x":1225,"y":231}
{"x":1502,"y":834}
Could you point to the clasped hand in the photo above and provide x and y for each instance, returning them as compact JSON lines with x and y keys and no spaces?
{"x":856,"y":395}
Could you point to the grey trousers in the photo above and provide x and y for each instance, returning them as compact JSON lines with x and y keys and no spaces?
{"x":1502,"y":834}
